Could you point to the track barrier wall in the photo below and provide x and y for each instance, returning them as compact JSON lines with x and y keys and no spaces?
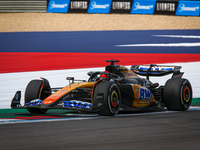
{"x":163,"y":7}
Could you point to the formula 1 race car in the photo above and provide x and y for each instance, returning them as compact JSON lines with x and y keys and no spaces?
{"x":107,"y":92}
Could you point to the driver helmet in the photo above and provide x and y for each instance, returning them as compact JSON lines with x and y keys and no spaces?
{"x":105,"y":75}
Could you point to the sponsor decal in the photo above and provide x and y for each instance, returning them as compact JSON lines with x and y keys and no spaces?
{"x":145,"y":94}
{"x":47,"y":102}
{"x":78,"y":6}
{"x":177,"y":76}
{"x":184,"y":8}
{"x":143,"y":7}
{"x":99,"y":96}
{"x":137,"y":89}
{"x":165,"y":7}
{"x":75,"y":104}
{"x":17,"y":96}
{"x":156,"y":68}
{"x":168,"y":8}
{"x":64,"y":90}
{"x":94,"y":5}
{"x":121,"y":6}
{"x":188,"y":8}
{"x":128,"y":74}
{"x":34,"y":102}
{"x":54,"y":5}
{"x":99,"y":6}
{"x":139,"y":6}
{"x":60,"y":6}
{"x":100,"y":104}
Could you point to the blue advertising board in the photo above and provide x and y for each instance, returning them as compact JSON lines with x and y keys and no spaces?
{"x":143,"y":7}
{"x":58,"y":6}
{"x":188,"y":8}
{"x":99,"y":6}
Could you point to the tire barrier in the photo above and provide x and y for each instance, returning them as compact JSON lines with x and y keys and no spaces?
{"x":163,"y":7}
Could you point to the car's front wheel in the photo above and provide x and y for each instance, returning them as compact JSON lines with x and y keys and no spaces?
{"x":110,"y":94}
{"x":37,"y":89}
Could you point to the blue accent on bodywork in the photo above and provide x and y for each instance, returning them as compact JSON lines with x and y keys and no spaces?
{"x":150,"y":72}
{"x":74,"y":104}
{"x":156,"y":69}
{"x":34,"y":103}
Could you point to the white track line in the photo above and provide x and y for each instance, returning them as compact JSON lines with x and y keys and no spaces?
{"x":162,"y":45}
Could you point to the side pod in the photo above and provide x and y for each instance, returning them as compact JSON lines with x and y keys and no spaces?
{"x":16,"y":100}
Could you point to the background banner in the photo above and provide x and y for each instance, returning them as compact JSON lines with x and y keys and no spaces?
{"x":163,"y":7}
{"x":100,"y":6}
{"x":166,"y":7}
{"x":121,"y":6}
{"x":78,"y":6}
{"x":143,"y":7}
{"x":188,"y":8}
{"x":60,"y":6}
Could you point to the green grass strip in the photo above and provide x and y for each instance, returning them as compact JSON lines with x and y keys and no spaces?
{"x":12,"y":113}
{"x":195,"y":102}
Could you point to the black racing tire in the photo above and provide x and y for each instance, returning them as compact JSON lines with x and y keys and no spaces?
{"x":34,"y":91}
{"x":111,"y":98}
{"x":177,"y":94}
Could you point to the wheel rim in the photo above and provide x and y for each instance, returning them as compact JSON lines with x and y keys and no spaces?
{"x":114,"y":99}
{"x":186,"y":94}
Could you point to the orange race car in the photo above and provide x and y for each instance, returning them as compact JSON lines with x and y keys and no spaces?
{"x":107,"y":92}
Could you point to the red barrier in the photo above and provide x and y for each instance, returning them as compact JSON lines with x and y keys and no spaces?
{"x":22,"y":62}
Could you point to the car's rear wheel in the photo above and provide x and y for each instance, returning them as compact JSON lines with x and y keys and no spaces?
{"x":37,"y":89}
{"x":111,"y":98}
{"x":177,"y":94}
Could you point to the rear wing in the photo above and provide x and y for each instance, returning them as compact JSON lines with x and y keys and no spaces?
{"x":157,"y":70}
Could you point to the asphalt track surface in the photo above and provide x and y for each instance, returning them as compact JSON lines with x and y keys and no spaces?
{"x":172,"y":130}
